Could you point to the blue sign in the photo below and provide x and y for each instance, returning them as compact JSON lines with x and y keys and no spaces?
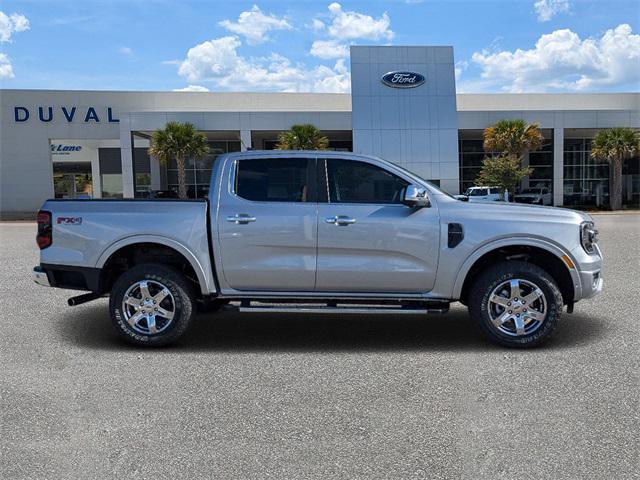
{"x":400,"y":79}
{"x":47,"y":114}
{"x":60,"y":149}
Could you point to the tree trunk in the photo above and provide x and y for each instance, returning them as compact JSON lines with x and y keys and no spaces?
{"x":182,"y":179}
{"x":616,"y":194}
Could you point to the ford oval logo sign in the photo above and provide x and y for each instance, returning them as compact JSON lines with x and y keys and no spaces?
{"x":402,"y":79}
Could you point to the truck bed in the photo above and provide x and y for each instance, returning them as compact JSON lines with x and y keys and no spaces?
{"x":87,"y":232}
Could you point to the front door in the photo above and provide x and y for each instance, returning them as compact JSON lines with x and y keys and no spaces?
{"x":368,"y":240}
{"x":267,"y":224}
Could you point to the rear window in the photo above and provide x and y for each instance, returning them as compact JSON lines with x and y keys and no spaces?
{"x":273,"y":179}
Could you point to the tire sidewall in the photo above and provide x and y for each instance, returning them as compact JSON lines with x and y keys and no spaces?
{"x":174,"y":282}
{"x":508,"y":271}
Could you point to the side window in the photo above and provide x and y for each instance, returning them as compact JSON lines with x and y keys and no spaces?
{"x":495,"y":191}
{"x":358,"y":182}
{"x":273,"y":179}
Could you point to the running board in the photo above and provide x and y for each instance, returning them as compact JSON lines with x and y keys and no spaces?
{"x":435,"y":308}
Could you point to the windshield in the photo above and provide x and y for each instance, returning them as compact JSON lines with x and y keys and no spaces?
{"x":476,"y":192}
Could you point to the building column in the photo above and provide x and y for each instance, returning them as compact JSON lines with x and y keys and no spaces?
{"x":245,"y":140}
{"x":126,"y":157}
{"x":558,"y":167}
{"x":95,"y":175}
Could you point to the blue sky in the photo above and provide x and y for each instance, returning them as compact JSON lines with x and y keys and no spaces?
{"x":500,"y":46}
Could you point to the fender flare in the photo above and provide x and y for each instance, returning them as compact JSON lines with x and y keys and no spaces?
{"x":205,"y":287}
{"x":516,"y":241}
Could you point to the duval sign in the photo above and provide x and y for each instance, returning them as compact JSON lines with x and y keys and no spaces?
{"x":402,"y":79}
{"x":69,"y":114}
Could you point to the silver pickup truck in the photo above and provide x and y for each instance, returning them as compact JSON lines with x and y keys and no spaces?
{"x":320,"y":232}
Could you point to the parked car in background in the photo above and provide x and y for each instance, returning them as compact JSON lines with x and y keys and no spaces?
{"x":535,"y":196}
{"x":476,"y":194}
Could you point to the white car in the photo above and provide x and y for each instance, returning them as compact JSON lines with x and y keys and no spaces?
{"x":477,"y":194}
{"x":535,"y":196}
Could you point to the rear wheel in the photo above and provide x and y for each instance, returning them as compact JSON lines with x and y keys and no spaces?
{"x":151,"y":305}
{"x":516,"y":304}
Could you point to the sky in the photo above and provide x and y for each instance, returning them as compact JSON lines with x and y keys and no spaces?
{"x":163,"y":45}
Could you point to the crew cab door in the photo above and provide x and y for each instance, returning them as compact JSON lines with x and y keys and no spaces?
{"x":267,"y":224}
{"x":368,"y":240}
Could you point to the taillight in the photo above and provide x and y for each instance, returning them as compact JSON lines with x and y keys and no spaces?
{"x":44,"y":236}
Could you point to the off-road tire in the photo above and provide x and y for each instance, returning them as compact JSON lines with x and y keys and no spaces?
{"x":485,"y":283}
{"x":182,"y":294}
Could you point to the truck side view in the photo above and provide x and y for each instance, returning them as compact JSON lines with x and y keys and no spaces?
{"x":320,"y":232}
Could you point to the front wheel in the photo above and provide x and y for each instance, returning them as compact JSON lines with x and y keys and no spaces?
{"x":151,"y":305}
{"x":516,"y":304}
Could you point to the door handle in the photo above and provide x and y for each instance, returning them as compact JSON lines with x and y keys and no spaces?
{"x":241,"y":219}
{"x":341,"y":220}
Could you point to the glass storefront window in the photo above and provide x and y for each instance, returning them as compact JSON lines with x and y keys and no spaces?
{"x":111,"y":185}
{"x":72,"y":180}
{"x":198,"y":172}
{"x":472,"y":154}
{"x":586,"y":181}
{"x":143,"y":182}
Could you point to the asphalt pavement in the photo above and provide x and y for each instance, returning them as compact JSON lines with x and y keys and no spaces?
{"x":251,"y":396}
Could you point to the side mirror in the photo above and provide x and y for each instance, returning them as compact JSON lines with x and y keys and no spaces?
{"x":416,"y":196}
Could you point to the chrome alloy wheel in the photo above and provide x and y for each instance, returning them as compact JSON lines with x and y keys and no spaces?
{"x":517,"y":307}
{"x":149,"y":307}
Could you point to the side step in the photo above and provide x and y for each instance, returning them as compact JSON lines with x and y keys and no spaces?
{"x":422,"y":308}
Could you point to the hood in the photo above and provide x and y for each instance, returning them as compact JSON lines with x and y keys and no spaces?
{"x":503,"y":211}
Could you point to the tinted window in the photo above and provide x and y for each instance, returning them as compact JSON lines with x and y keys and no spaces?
{"x":359,"y":182}
{"x":495,"y":191}
{"x":273,"y":180}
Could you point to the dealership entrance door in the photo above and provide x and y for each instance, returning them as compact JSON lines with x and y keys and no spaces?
{"x":72,"y":180}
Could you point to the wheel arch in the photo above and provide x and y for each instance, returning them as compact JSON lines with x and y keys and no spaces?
{"x":144,"y":241}
{"x":544,"y":254}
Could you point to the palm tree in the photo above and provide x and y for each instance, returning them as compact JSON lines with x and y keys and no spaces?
{"x":179,"y":141}
{"x":302,"y":137}
{"x":514,"y":138}
{"x":615,"y":145}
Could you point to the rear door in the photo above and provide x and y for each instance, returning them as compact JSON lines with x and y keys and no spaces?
{"x":368,"y":241}
{"x":267,"y":224}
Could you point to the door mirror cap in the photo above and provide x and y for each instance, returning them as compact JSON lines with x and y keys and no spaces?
{"x":416,"y":196}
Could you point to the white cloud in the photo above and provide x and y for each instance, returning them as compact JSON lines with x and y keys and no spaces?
{"x":317,"y":25}
{"x":217,"y":61}
{"x":126,"y":51}
{"x":10,"y":24}
{"x":329,"y":49}
{"x":6,"y":70}
{"x":192,"y":88}
{"x":547,"y":9}
{"x":353,"y":25}
{"x":346,"y":26}
{"x":561,"y":60}
{"x":254,"y":25}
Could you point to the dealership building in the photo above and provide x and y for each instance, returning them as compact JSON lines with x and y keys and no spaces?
{"x":93,"y":144}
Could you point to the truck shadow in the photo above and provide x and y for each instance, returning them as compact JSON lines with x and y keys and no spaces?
{"x":234,"y":332}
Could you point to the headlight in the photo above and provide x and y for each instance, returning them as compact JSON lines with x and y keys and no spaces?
{"x":588,"y":236}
